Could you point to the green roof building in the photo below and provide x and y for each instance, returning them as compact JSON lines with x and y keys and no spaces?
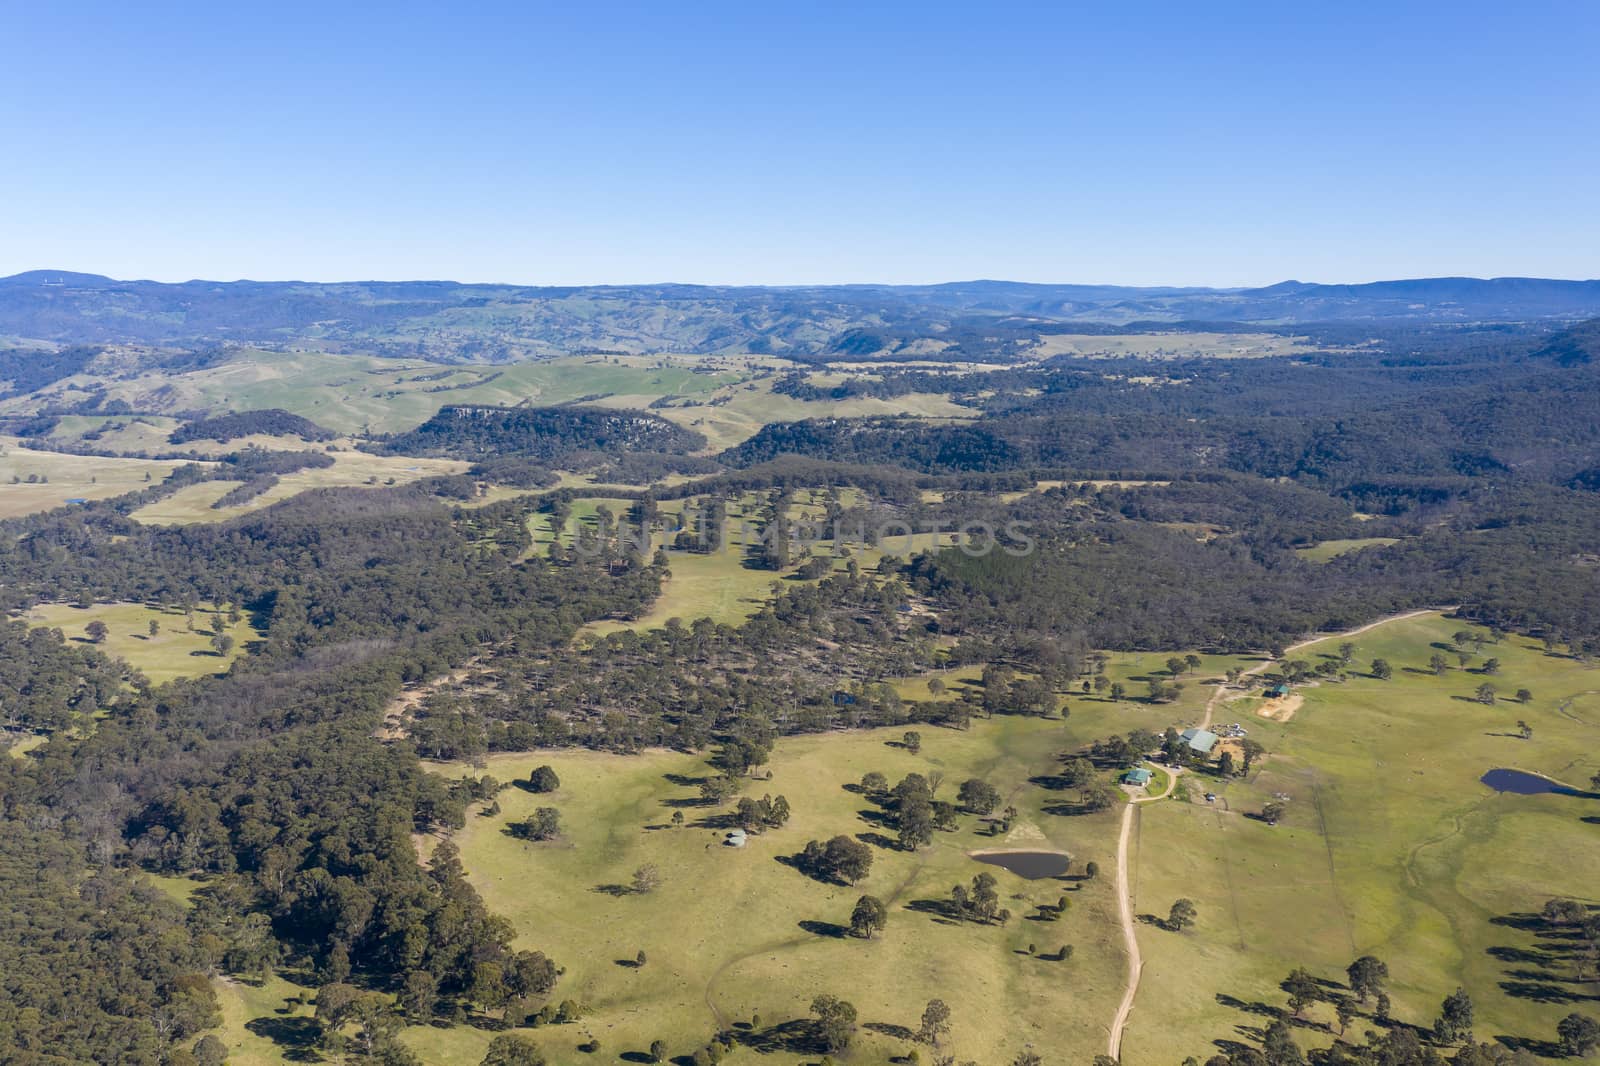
{"x":1200,"y":741}
{"x":1138,"y":776}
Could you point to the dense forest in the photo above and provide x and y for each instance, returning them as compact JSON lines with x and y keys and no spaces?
{"x":271,"y":777}
{"x":270,"y":423}
{"x":549,"y":435}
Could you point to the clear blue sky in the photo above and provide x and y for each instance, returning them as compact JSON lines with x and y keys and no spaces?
{"x":1186,"y":143}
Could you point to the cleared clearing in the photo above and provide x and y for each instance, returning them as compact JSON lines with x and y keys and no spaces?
{"x":174,"y":651}
{"x":1391,"y":847}
{"x":735,"y":932}
{"x":62,"y":477}
{"x":1332,"y":549}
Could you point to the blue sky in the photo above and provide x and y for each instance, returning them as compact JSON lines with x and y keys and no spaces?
{"x":1186,"y":143}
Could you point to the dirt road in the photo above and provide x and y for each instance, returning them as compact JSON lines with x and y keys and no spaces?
{"x":1124,"y":896}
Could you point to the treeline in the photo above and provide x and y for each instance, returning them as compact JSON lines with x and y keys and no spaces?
{"x":25,"y":370}
{"x":272,"y":422}
{"x":1329,"y":420}
{"x":1519,"y":557}
{"x":543,"y":434}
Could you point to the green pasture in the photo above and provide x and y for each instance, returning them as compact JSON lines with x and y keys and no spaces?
{"x":1332,"y":549}
{"x":59,"y":477}
{"x":1391,"y":846}
{"x":174,"y":651}
{"x":735,"y":932}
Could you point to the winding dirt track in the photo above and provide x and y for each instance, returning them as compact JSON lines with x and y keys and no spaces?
{"x":1124,"y":896}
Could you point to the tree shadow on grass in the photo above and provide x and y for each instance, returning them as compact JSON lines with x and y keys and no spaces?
{"x":296,"y":1036}
{"x":799,"y":1037}
{"x":889,"y":1029}
{"x":1258,"y":1008}
{"x":1545,"y":1049}
{"x":1072,"y":810}
{"x":687,"y":802}
{"x":1545,"y":991}
{"x":943,"y":911}
{"x":827,"y":929}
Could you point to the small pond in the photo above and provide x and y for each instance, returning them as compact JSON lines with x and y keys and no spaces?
{"x":1522,"y":783}
{"x":1030,"y":864}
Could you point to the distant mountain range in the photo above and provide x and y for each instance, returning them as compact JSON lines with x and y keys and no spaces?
{"x":494,"y":323}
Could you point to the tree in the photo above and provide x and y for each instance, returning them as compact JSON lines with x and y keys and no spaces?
{"x":1119,"y":691}
{"x":221,"y":643}
{"x":1225,"y":767}
{"x":1579,"y":1033}
{"x":1455,"y":1018}
{"x":912,"y":741}
{"x":978,"y":796}
{"x":1367,"y":975}
{"x":96,"y":631}
{"x":1347,"y":651}
{"x":1278,"y":1045}
{"x":543,"y":824}
{"x":1485,"y":694}
{"x":646,"y":879}
{"x":836,"y":1021}
{"x":1491,"y":666}
{"x":935,"y":1022}
{"x":1564,"y":911}
{"x":509,"y":1049}
{"x":1524,"y":695}
{"x":658,"y":1051}
{"x":1252,"y":750}
{"x":1273,"y":811}
{"x":1302,"y":988}
{"x":209,"y":1051}
{"x":1524,"y":730}
{"x":869,"y":916}
{"x":915,"y":824}
{"x":842,"y":858}
{"x":1438,"y":664}
{"x":155,"y":627}
{"x":420,"y":996}
{"x":1175,"y":666}
{"x":873,"y":781}
{"x":543,"y":779}
{"x":1182,"y":915}
{"x":1382,"y":670}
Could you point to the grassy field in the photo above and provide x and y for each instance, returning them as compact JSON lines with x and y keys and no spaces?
{"x":65,"y":477}
{"x":1391,"y":847}
{"x":193,"y":503}
{"x":1173,"y":345}
{"x":173,"y":652}
{"x":740,"y":410}
{"x":732,"y":933}
{"x":727,"y":398}
{"x":358,"y":394}
{"x":1332,"y":549}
